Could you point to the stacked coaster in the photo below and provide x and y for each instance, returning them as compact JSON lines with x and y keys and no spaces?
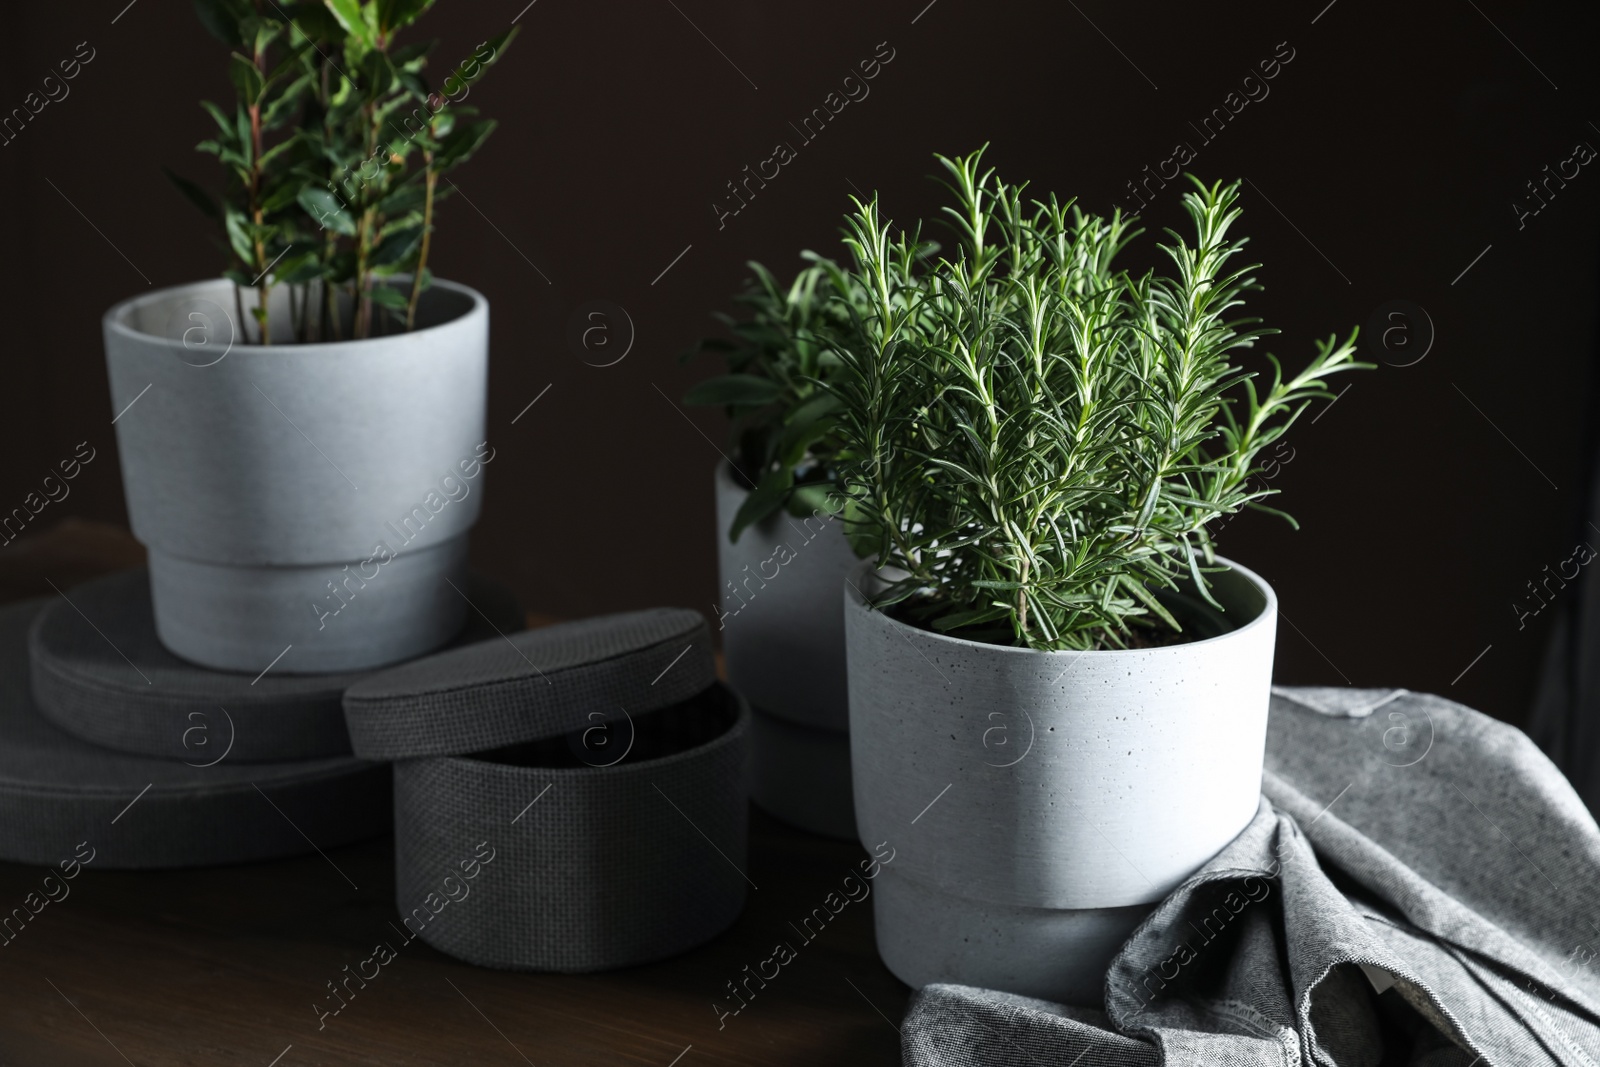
{"x":101,"y":673}
{"x":567,"y":799}
{"x":62,"y":797}
{"x":155,"y":762}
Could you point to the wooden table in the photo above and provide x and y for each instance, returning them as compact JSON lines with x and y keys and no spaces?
{"x":223,"y":965}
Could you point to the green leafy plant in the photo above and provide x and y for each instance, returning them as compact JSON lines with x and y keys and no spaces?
{"x":784,"y":424}
{"x":1036,"y":439}
{"x":333,"y":152}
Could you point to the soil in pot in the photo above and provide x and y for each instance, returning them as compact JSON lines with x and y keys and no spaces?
{"x":1200,"y":621}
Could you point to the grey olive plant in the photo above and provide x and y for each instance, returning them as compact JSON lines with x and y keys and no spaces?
{"x":1037,"y":439}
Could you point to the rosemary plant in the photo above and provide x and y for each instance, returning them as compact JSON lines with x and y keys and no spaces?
{"x":783,"y":434}
{"x":1038,"y":440}
{"x":333,"y":149}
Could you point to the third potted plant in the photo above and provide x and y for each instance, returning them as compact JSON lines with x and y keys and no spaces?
{"x":782,"y":549}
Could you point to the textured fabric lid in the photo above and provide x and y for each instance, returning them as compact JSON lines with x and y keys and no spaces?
{"x":101,"y":673}
{"x":531,"y":685}
{"x":57,"y":791}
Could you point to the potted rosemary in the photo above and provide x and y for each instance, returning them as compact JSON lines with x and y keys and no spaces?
{"x":302,"y":439}
{"x":781,"y":549}
{"x":1058,"y":690}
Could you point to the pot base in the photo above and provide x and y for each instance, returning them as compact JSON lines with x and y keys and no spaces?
{"x":801,"y":774}
{"x":926,"y":936}
{"x":246,"y":618}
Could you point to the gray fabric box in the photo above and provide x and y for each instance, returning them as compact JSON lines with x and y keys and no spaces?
{"x":566,"y":799}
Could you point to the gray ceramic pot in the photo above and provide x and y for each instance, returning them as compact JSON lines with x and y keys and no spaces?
{"x":303,"y":501}
{"x":1042,"y":802}
{"x":783,"y":638}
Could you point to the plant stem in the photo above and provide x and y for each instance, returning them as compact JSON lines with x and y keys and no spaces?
{"x":364,"y":237}
{"x":430,"y":180}
{"x":330,"y":301}
{"x":257,"y":145}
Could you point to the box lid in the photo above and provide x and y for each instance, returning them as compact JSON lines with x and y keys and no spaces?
{"x":530,"y":685}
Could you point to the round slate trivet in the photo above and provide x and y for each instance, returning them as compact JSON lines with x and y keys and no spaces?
{"x":539,"y":683}
{"x":589,"y":868}
{"x":57,"y":792}
{"x":100,"y":672}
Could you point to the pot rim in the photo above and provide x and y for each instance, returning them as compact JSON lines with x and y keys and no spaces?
{"x":855,"y":599}
{"x":115,"y":320}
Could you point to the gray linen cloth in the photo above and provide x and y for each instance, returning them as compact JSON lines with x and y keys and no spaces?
{"x":1420,"y":886}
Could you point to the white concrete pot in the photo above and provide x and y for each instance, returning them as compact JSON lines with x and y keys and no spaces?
{"x":308,"y":501}
{"x":783,"y":640}
{"x":1041,"y":803}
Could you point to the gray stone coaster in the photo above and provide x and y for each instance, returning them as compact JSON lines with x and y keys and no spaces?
{"x":536,"y":684}
{"x":58,"y":793}
{"x":592,"y":867}
{"x":100,"y":673}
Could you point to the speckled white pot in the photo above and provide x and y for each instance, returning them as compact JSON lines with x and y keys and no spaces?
{"x":262,"y":478}
{"x":783,"y":639}
{"x":1042,"y":802}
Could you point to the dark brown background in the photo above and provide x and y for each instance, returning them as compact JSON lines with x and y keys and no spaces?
{"x":1396,"y":141}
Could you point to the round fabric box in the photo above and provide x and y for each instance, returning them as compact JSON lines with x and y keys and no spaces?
{"x":101,"y":673}
{"x":592,"y":867}
{"x":581,"y":802}
{"x":58,"y":793}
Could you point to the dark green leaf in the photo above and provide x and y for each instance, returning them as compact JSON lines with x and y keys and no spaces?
{"x":766,"y":498}
{"x":461,"y":144}
{"x":226,"y":124}
{"x":1143,"y":594}
{"x":351,"y":19}
{"x":734,"y":389}
{"x":286,"y":102}
{"x":196,"y":195}
{"x":810,"y":499}
{"x":327,"y":211}
{"x":241,"y":124}
{"x":956,"y":619}
{"x":280,"y":151}
{"x":866,"y":537}
{"x":409,"y":221}
{"x":408,"y":54}
{"x":798,"y":438}
{"x":403,"y":199}
{"x":221,"y":19}
{"x":298,"y":269}
{"x":391,"y":298}
{"x":279,"y":195}
{"x":396,"y":248}
{"x":238,"y":230}
{"x":245,"y":77}
{"x":403,"y":13}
